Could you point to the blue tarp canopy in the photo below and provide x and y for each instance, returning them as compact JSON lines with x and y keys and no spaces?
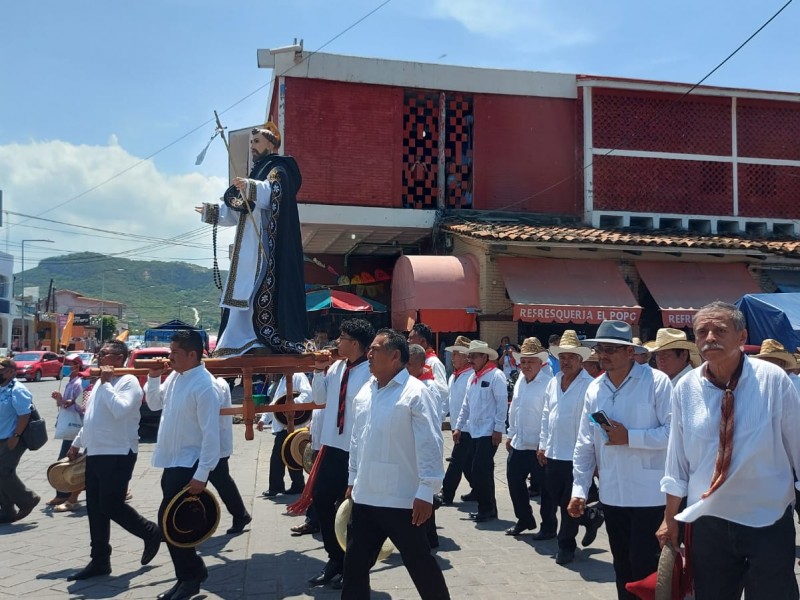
{"x":772,"y":316}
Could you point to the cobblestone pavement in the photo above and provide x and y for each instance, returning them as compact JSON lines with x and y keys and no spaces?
{"x":265,"y":561}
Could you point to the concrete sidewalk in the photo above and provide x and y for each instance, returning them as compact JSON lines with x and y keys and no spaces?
{"x":265,"y":561}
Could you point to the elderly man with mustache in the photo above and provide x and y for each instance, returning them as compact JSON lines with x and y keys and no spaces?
{"x":732,"y":449}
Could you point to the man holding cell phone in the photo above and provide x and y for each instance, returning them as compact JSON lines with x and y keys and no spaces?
{"x":630,"y":403}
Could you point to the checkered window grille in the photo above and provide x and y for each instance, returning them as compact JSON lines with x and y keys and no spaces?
{"x":422,"y":134}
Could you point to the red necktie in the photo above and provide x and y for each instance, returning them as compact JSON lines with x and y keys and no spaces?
{"x":343,"y":391}
{"x":725,"y":451}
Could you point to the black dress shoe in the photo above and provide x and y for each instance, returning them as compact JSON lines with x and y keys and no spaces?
{"x":482,"y":517}
{"x":303,"y":529}
{"x":327,"y":575}
{"x":564,"y":556}
{"x":151,"y":547}
{"x":91,"y":570}
{"x":336,"y":583}
{"x":24,"y":511}
{"x":186,"y":589}
{"x":442,"y":500}
{"x":292,"y":491}
{"x":168,"y":594}
{"x":520,"y":527}
{"x":468,"y":497}
{"x":543,"y":535}
{"x":239,"y":524}
{"x":595,"y":521}
{"x":271,"y":493}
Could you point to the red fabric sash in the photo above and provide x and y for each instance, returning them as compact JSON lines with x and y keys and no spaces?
{"x":427,"y":374}
{"x":478,"y":374}
{"x":304,"y":501}
{"x":458,"y":372}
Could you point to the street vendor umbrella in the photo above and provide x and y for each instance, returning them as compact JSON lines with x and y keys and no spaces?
{"x":324,"y":299}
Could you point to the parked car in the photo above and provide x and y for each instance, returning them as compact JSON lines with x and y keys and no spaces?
{"x":149,"y":419}
{"x":89,"y":359}
{"x":35,"y":364}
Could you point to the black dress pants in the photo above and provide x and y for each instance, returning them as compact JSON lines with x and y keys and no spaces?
{"x":107,"y":478}
{"x":187,"y":563}
{"x":329,"y":488}
{"x":519,"y":465}
{"x":221,"y":479}
{"x":558,"y":483}
{"x":277,"y":469}
{"x":728,"y":558}
{"x":634,"y":547}
{"x":457,"y":467}
{"x":482,"y":460}
{"x":369,"y":528}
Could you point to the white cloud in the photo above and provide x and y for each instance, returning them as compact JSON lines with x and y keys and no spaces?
{"x":39,"y":176}
{"x":523,"y":23}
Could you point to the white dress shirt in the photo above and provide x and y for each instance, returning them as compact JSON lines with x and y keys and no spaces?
{"x":458,"y":393}
{"x":300,"y":386}
{"x":396,"y":450}
{"x":766,"y":446}
{"x":111,"y":420}
{"x":189,"y":429}
{"x":561,"y":415}
{"x":630,"y":475}
{"x":795,"y":379}
{"x":486,"y":404}
{"x":325,"y":390}
{"x":439,"y":382}
{"x":225,"y":421}
{"x":317,"y":417}
{"x":525,"y":412}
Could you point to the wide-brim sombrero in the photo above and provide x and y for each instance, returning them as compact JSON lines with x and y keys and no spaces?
{"x":293,"y":446}
{"x":300,"y":416}
{"x":190,"y":520}
{"x":68,"y":475}
{"x":666,"y":583}
{"x":343,"y":514}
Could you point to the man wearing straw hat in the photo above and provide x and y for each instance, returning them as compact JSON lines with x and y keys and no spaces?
{"x":675,"y":354}
{"x":733,"y":449}
{"x":484,"y":412}
{"x":632,"y":401}
{"x":524,"y":429}
{"x":561,"y":418}
{"x":188,"y":445}
{"x":111,"y":439}
{"x":335,"y":384}
{"x":395,"y":467}
{"x":458,"y":465}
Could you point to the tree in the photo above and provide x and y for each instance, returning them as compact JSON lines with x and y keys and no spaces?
{"x":109,"y":328}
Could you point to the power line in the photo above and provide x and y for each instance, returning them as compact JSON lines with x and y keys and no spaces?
{"x":211,"y":120}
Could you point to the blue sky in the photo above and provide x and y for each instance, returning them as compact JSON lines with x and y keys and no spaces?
{"x":91,"y":87}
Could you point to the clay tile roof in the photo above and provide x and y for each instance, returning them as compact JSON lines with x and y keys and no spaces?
{"x":505,"y":230}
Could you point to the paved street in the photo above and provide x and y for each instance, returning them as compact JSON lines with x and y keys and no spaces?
{"x":265,"y":561}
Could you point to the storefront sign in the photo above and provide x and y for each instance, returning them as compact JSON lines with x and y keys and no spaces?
{"x":575,"y":314}
{"x":678,"y":319}
{"x":82,"y":319}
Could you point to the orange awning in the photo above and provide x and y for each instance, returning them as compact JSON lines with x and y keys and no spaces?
{"x":550,"y":290}
{"x":440,"y":291}
{"x":680,"y":288}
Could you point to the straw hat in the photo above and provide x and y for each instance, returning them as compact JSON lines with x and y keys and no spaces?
{"x":532,"y":347}
{"x":483,"y":348}
{"x":300,"y":416}
{"x":570,"y":344}
{"x":343,"y":514}
{"x":675,"y":339}
{"x":593,"y":357}
{"x":612,"y":332}
{"x":68,"y":475}
{"x":308,"y":458}
{"x":667,"y":583}
{"x":293,"y":446}
{"x":461,"y":345}
{"x":641,"y":348}
{"x":775,"y":350}
{"x":190,"y":520}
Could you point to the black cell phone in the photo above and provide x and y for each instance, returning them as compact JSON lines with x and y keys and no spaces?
{"x":601,"y":418}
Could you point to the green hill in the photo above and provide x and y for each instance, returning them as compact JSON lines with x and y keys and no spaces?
{"x":153,"y":291}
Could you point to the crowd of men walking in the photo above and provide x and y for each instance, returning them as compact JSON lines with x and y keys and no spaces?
{"x":652,"y":452}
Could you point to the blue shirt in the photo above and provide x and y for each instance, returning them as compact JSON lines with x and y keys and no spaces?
{"x":15,"y":401}
{"x":553,"y":364}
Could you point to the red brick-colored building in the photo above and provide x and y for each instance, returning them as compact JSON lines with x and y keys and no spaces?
{"x":554,"y":185}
